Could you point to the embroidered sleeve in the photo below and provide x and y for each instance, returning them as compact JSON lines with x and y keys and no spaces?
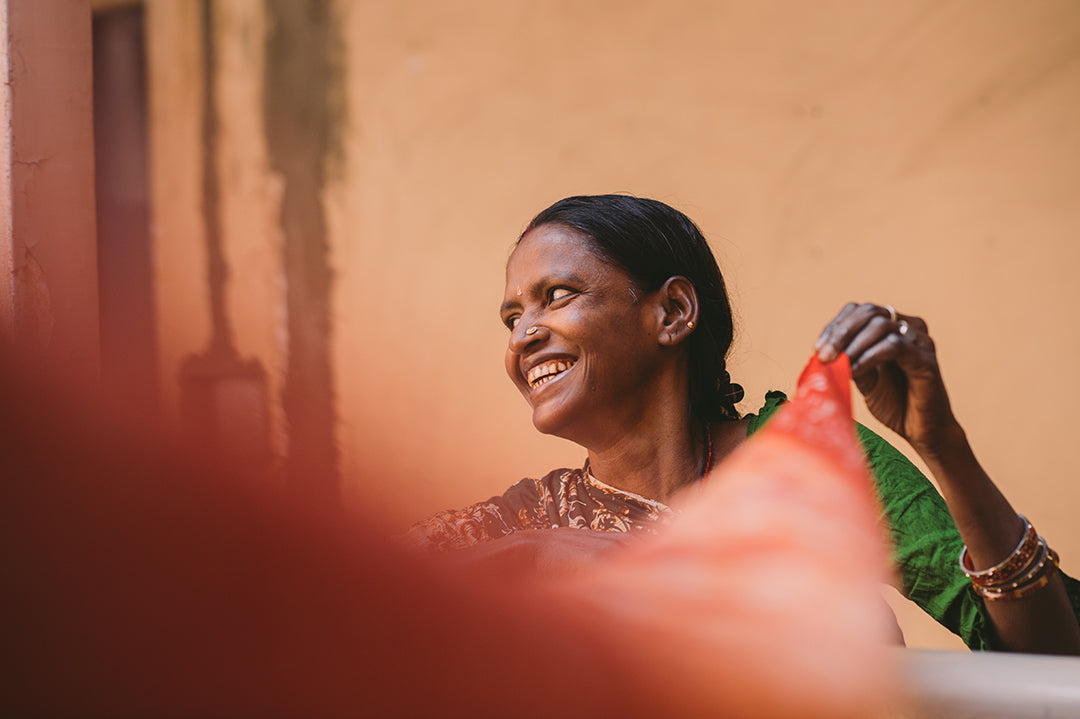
{"x":520,"y":507}
{"x":457,"y":528}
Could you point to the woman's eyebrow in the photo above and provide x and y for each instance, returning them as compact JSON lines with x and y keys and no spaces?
{"x":508,"y":305}
{"x":569,"y":276}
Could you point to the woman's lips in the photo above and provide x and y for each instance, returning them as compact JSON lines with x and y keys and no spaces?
{"x":547,"y":371}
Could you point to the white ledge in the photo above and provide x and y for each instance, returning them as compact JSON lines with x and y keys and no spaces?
{"x":991,"y":685}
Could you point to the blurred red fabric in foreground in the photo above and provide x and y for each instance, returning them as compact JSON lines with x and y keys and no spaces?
{"x":141,"y":580}
{"x":764,"y":596}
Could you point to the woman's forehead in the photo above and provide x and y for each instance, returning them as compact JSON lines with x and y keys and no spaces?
{"x":553,"y":234}
{"x":554,"y":246}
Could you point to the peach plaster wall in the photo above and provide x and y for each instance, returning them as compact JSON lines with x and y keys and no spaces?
{"x":915,"y":153}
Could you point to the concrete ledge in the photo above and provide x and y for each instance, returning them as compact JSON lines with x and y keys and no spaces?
{"x":958,"y":685}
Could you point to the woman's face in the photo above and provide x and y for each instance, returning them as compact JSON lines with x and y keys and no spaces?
{"x":583,"y":345}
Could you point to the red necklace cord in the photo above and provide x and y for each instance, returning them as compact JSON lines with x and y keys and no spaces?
{"x":707,"y":464}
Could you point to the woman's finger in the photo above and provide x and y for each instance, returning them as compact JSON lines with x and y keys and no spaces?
{"x":849,"y":324}
{"x":877,"y":331}
{"x":884,"y":346}
{"x":906,"y":342}
{"x":826,"y":341}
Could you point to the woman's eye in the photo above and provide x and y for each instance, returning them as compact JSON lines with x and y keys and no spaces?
{"x":511,"y":322}
{"x":560,"y":293}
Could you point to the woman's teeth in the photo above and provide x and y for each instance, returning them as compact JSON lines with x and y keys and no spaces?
{"x":546,"y":372}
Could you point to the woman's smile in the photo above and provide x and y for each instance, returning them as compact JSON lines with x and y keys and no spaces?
{"x":545,"y":372}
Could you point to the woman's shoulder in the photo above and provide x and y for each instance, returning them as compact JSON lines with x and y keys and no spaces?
{"x":774,"y":399}
{"x":532,"y":493}
{"x":516,"y":508}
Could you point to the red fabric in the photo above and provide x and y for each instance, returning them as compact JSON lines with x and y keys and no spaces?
{"x":143,"y":581}
{"x":764,"y":594}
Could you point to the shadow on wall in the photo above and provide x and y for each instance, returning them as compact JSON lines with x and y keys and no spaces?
{"x":223,"y":397}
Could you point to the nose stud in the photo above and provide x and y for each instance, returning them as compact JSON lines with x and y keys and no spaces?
{"x":532,"y":330}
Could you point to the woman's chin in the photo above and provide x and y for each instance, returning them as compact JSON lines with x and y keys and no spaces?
{"x":543,"y":424}
{"x":559,"y":407}
{"x":554,"y":423}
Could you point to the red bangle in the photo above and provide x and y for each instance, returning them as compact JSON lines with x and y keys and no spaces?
{"x":1009,"y":568}
{"x":1040,"y":581}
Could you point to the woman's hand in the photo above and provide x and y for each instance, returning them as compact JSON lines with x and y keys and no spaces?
{"x":895,"y":367}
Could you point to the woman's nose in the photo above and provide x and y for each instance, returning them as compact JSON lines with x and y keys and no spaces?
{"x":525,"y":334}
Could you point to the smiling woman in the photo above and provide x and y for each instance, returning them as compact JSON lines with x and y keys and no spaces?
{"x":563,"y":355}
{"x":619,"y":326}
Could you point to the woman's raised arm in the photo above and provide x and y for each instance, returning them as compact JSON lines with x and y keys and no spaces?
{"x":895,"y":367}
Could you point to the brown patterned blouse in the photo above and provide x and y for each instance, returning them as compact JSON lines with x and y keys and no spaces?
{"x":562,"y":498}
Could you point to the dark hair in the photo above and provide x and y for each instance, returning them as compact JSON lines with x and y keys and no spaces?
{"x":652,"y":242}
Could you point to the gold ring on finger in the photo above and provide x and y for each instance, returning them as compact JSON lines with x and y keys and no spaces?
{"x":892,"y":313}
{"x":903,"y":328}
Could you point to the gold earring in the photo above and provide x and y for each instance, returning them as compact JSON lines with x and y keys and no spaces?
{"x":690,"y":324}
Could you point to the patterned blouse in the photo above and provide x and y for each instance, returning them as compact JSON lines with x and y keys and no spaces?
{"x":561,"y":498}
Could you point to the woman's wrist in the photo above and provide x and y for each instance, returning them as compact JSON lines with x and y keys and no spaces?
{"x":947,"y":449}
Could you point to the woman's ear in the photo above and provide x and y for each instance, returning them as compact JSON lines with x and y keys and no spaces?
{"x":678,"y":306}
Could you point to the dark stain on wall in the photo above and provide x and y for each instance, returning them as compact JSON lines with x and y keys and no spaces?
{"x":223,"y":397}
{"x":304,"y":114}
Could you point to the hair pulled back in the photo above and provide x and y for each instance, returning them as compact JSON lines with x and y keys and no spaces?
{"x":653,"y":242}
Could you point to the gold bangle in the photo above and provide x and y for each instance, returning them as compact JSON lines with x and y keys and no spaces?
{"x":1009,"y":568}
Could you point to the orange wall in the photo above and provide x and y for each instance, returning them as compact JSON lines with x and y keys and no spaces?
{"x":914,"y":153}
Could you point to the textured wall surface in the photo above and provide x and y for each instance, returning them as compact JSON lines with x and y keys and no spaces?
{"x":48,"y":267}
{"x":921,"y":154}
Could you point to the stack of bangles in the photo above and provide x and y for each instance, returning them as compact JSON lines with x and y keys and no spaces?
{"x":1027,"y":570}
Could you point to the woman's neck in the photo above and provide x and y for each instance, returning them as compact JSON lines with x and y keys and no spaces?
{"x":652,"y":461}
{"x":656,"y":464}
